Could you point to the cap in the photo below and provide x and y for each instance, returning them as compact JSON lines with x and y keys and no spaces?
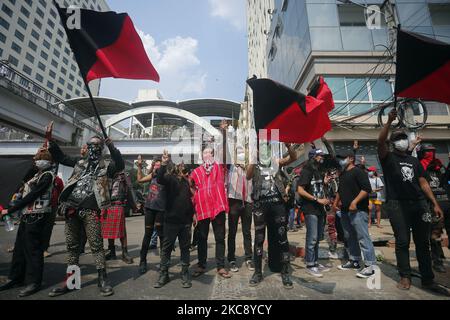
{"x":345,"y":154}
{"x":398,"y":134}
{"x":372,"y":169}
{"x":314,"y":153}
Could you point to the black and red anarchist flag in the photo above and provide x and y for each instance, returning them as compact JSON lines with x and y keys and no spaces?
{"x":106,"y":44}
{"x":423,"y":68}
{"x":298,"y":118}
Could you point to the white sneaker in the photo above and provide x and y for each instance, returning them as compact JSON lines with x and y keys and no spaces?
{"x":365,"y":273}
{"x":314,"y":271}
{"x":322,"y":268}
{"x":333,"y":255}
{"x":233,"y":266}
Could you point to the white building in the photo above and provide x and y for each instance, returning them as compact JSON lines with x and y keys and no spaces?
{"x":34,"y":43}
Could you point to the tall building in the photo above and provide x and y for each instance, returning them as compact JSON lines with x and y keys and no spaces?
{"x":34,"y":43}
{"x":309,"y":38}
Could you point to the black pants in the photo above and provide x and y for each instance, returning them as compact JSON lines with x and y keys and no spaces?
{"x":171,"y":233}
{"x":195,"y":237}
{"x":28,"y":256}
{"x":437,"y":229}
{"x":48,"y":229}
{"x":243,"y":211}
{"x":404,"y":216}
{"x":219,"y":235}
{"x":275,"y":217}
{"x":153,"y":221}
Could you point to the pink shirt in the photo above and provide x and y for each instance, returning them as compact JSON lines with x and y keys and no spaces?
{"x":210,"y":198}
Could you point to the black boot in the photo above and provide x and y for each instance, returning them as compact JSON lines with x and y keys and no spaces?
{"x":28,"y":291}
{"x":56,"y":292}
{"x":163,"y":279}
{"x":10,"y":284}
{"x":285,"y":277}
{"x":257,"y":276}
{"x":111,"y":255}
{"x":186,"y":277}
{"x":125,"y":257}
{"x":143,"y":266}
{"x":105,"y":288}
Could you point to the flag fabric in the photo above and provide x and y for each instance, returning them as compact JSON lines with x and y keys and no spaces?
{"x":423,"y":68}
{"x":107,"y":45}
{"x":321,"y":91}
{"x":298,"y":118}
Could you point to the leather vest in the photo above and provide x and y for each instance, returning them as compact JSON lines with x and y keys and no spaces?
{"x":43,"y":204}
{"x":258,"y":182}
{"x":100,"y":184}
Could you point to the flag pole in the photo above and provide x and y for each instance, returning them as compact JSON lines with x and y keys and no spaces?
{"x":97,"y":115}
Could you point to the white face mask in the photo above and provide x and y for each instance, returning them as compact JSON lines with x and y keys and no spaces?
{"x":401,"y":145}
{"x":43,"y":164}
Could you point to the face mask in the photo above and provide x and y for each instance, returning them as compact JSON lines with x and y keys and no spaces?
{"x":43,"y":164}
{"x":371,"y":174}
{"x":94,"y":152}
{"x":344,"y":163}
{"x":401,"y":145}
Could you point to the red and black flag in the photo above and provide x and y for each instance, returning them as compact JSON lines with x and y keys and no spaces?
{"x":298,"y":118}
{"x":106,"y":44}
{"x":423,"y":68}
{"x":321,"y":91}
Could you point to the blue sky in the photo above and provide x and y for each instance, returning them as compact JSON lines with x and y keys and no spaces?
{"x":199,"y":48}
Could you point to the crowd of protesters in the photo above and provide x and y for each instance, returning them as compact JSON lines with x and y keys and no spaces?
{"x":332,"y":195}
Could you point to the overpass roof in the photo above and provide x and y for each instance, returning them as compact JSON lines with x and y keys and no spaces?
{"x":201,"y":107}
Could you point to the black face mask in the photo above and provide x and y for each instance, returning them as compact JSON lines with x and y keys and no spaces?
{"x":94,"y":152}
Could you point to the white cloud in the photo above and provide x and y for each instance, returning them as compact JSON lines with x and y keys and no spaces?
{"x":232,"y":11}
{"x":178,"y":65}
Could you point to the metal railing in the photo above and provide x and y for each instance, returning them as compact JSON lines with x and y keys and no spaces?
{"x":28,"y":89}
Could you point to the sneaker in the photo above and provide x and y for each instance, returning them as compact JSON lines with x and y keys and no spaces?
{"x":233,"y":266}
{"x":350,"y":265}
{"x":250,"y":265}
{"x":365,"y":273}
{"x":293,"y":230}
{"x":322,"y":268}
{"x":315,"y":272}
{"x":333,"y":255}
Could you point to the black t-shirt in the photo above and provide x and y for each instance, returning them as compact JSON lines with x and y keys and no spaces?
{"x":312,"y":181}
{"x":401,"y":175}
{"x":156,"y":199}
{"x":351,"y":183}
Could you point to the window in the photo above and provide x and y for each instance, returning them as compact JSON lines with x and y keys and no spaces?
{"x":19,"y":35}
{"x":357,"y":89}
{"x":16,"y":47}
{"x":54,"y":63}
{"x":41,"y":66}
{"x":59,"y":91}
{"x":71,"y":77}
{"x":48,"y":33}
{"x":25,"y":12}
{"x":2,"y":37}
{"x":273,"y":51}
{"x":70,"y":87}
{"x":79,"y":83}
{"x":351,"y":16}
{"x":56,"y":53}
{"x":61,"y":81}
{"x":43,"y":3}
{"x":440,"y":14}
{"x":32,"y":45}
{"x":381,"y":89}
{"x":46,"y":44}
{"x":35,"y":34}
{"x":60,"y":33}
{"x":58,"y":43}
{"x":77,"y":93}
{"x":44,"y":55}
{"x":73,"y":68}
{"x":36,"y":89}
{"x":37,"y":23}
{"x":39,"y":77}
{"x":67,"y":51}
{"x":63,"y":70}
{"x":29,"y":2}
{"x":29,"y":57}
{"x":27,"y":69}
{"x":21,"y":23}
{"x":40,"y":12}
{"x":4,"y":23}
{"x":53,"y":13}
{"x":50,"y":85}
{"x":51,"y":23}
{"x":52,"y":73}
{"x":13,"y":60}
{"x":65,"y":61}
{"x":7,"y":10}
{"x":12,"y":1}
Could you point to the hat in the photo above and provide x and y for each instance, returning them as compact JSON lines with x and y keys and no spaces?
{"x":398,"y":134}
{"x":372,"y":169}
{"x":345,"y":154}
{"x":314,"y":153}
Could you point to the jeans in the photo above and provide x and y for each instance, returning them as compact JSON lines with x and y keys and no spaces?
{"x":238,"y":209}
{"x":153,"y":221}
{"x":267,"y":215}
{"x":291,"y":218}
{"x":314,"y":231}
{"x":356,"y":231}
{"x":171,"y":233}
{"x":219,"y":234}
{"x":404,"y":216}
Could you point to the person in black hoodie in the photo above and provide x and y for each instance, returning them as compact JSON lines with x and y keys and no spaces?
{"x":178,"y":219}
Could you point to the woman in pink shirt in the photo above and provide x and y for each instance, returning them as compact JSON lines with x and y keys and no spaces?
{"x":211,"y":206}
